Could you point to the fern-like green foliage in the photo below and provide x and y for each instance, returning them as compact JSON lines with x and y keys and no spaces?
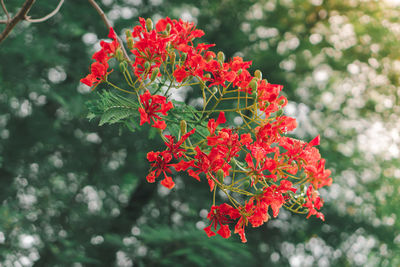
{"x":112,"y":107}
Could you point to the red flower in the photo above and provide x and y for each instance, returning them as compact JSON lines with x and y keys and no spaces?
{"x":180,"y":73}
{"x":151,"y":105}
{"x":314,"y":203}
{"x":273,"y":195}
{"x":107,"y":49}
{"x":245,"y":139}
{"x":98,"y":74}
{"x":315,"y":141}
{"x":160,"y":164}
{"x":100,"y":56}
{"x":212,"y":125}
{"x":218,"y":216}
{"x":209,"y":165}
{"x":243,"y":221}
{"x":227,"y":142}
{"x":260,"y":212}
{"x":318,"y":175}
{"x":256,"y":172}
{"x":174,"y":148}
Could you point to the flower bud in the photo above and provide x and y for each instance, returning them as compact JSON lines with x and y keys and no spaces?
{"x":258,"y":74}
{"x":149,"y":24}
{"x":208,"y":58}
{"x":168,"y":28}
{"x":221,"y":57}
{"x":253,"y":84}
{"x":281,"y":102}
{"x":183,"y":58}
{"x":156,"y":71}
{"x":214,"y":90}
{"x":240,"y":71}
{"x":254,"y":94}
{"x":246,"y":184}
{"x":147,"y":65}
{"x":279,"y":113}
{"x":172,"y":57}
{"x":128,"y":33}
{"x":183,"y":126}
{"x":220,"y":175}
{"x":207,"y":75}
{"x":123,"y":65}
{"x":302,"y":188}
{"x":130,"y":43}
{"x":119,"y":55}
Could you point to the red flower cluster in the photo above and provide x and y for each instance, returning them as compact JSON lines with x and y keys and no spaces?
{"x":99,"y":68}
{"x":151,"y":44}
{"x":255,"y":160}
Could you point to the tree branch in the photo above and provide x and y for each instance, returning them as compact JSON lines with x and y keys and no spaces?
{"x":5,"y":10}
{"x":14,"y":21}
{"x":51,"y":14}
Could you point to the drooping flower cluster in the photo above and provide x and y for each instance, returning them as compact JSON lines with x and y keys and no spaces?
{"x":254,"y":158}
{"x":100,"y":66}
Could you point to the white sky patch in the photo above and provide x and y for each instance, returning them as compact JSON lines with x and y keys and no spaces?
{"x":57,"y":74}
{"x":315,"y":38}
{"x":93,"y":138}
{"x":2,"y":238}
{"x":92,"y":198}
{"x":27,"y":241}
{"x":178,"y":94}
{"x":301,"y":113}
{"x":379,"y":140}
{"x":392,"y":2}
{"x":321,"y":75}
{"x":89,"y":38}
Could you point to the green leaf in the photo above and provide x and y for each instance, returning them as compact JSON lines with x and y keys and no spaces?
{"x":114,"y":108}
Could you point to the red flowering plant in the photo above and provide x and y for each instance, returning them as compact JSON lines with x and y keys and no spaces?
{"x":256,"y":166}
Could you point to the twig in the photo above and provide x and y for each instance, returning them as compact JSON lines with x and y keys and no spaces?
{"x":5,"y":10}
{"x":20,"y":16}
{"x":28,"y":18}
{"x":108,"y":24}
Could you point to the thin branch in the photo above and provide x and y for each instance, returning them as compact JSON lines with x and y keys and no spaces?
{"x":3,"y":21}
{"x":108,"y":24}
{"x":28,"y":18}
{"x":5,"y":10}
{"x":14,"y":21}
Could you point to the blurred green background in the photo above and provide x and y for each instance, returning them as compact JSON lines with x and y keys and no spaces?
{"x":74,"y":194}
